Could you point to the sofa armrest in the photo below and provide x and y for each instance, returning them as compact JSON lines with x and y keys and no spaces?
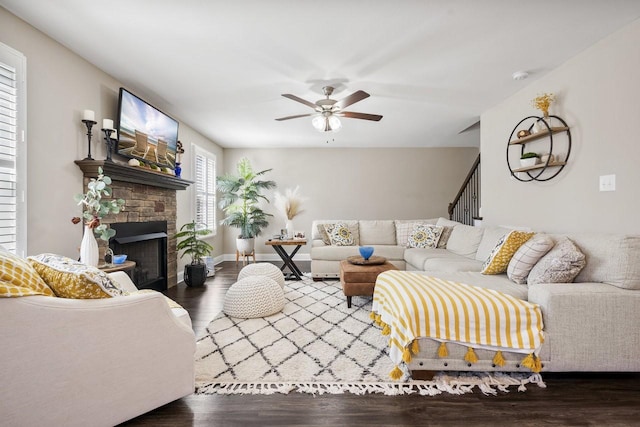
{"x":91,"y":362}
{"x":591,"y":326}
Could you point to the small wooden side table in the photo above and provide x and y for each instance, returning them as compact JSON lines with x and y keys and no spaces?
{"x":286,"y":257}
{"x":110,"y":268}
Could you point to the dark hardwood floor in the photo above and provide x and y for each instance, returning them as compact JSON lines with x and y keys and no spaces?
{"x":570,"y":399}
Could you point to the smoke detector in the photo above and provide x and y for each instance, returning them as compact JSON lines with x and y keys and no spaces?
{"x":520,"y":75}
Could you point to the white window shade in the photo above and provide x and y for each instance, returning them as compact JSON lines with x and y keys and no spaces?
{"x":12,"y":151}
{"x":205,"y":186}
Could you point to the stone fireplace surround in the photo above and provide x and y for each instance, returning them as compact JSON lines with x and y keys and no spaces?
{"x":148,"y":195}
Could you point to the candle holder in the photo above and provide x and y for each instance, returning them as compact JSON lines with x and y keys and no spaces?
{"x":89,"y":124}
{"x":109,"y":142}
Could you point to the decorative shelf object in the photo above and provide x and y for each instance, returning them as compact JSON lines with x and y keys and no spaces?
{"x":554,"y":164}
{"x":134,"y":174}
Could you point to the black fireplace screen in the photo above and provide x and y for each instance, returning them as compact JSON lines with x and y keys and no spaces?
{"x":146,"y":244}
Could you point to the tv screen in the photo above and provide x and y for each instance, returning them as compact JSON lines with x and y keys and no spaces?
{"x":144,"y":132}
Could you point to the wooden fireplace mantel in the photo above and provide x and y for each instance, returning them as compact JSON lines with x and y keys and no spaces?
{"x":126,"y":173}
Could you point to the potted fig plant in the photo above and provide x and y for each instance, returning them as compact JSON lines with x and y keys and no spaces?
{"x":239,"y":199}
{"x":192,"y":244}
{"x":528,"y":159}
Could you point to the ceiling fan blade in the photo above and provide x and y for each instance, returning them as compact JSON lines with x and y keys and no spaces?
{"x":352,"y":99}
{"x":294,"y":117}
{"x":300,"y":100}
{"x":352,"y":115}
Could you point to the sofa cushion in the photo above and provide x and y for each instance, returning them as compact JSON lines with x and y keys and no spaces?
{"x":498,"y":282}
{"x":322,"y":232}
{"x":527,"y":256}
{"x":465,"y":240}
{"x":490,"y":239}
{"x":452,"y":264}
{"x":560,"y":265}
{"x":611,"y":259}
{"x":71,"y":279}
{"x":498,"y":261}
{"x":447,"y":222}
{"x":338,"y":253}
{"x":424,"y":236}
{"x":418,"y":256}
{"x":18,"y":278}
{"x":377,"y":232}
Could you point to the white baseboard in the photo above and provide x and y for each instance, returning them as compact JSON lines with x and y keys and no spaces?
{"x":269,"y":257}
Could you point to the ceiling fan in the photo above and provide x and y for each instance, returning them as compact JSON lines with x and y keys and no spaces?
{"x":328,"y":111}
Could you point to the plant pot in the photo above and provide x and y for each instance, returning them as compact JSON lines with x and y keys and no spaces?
{"x":195,"y":274}
{"x":532,"y":161}
{"x":245,"y":246}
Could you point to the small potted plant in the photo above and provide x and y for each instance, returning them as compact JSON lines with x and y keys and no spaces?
{"x":528,"y":159}
{"x":191,"y":244}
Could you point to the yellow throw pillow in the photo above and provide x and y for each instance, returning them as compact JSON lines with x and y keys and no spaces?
{"x":71,"y":279}
{"x":19,"y":279}
{"x":507,"y":246}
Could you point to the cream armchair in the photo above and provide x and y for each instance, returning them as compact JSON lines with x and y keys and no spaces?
{"x":92,"y":362}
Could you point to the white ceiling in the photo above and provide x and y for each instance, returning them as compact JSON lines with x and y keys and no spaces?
{"x":431,"y":66}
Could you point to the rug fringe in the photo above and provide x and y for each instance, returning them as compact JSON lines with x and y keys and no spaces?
{"x":461,"y":383}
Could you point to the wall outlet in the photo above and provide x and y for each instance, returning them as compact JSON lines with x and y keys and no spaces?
{"x":607,"y":183}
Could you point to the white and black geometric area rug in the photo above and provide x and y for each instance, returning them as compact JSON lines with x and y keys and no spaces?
{"x":316,"y":345}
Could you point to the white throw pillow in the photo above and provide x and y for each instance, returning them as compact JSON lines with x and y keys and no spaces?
{"x":561,"y":265}
{"x":527,"y":256}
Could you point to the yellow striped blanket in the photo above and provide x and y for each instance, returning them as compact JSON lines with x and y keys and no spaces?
{"x":410,"y":306}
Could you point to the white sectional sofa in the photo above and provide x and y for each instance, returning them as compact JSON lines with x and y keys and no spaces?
{"x":589,"y":325}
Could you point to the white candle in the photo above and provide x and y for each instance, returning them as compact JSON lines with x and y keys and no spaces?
{"x":107,"y":124}
{"x":89,"y":115}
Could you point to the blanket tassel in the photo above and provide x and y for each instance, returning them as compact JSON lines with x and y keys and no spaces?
{"x":498,"y":359}
{"x":386,"y":330}
{"x":406,"y":355}
{"x":372,"y":316}
{"x":415,"y":348}
{"x":471,"y":356}
{"x":396,"y":373}
{"x":442,"y":350}
{"x":532,"y":362}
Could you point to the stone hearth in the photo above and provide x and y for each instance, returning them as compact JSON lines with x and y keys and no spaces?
{"x":149,"y":196}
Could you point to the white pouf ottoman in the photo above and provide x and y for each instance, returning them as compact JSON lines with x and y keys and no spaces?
{"x":262,"y":269}
{"x":254,"y":296}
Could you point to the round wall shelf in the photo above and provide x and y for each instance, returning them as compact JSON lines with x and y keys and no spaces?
{"x":539,"y":129}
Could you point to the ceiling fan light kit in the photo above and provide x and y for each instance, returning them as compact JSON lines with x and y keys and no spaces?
{"x":328,"y":111}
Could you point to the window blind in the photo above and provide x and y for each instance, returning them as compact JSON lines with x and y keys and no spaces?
{"x":205,"y":178}
{"x":8,"y":164}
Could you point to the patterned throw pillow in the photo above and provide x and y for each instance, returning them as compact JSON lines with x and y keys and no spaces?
{"x":18,"y":278}
{"x":323,"y":234}
{"x":339,"y":234}
{"x":444,"y":237}
{"x":527,"y":256}
{"x":561,"y":265}
{"x":71,"y":279}
{"x":424,"y":236}
{"x":498,"y":261}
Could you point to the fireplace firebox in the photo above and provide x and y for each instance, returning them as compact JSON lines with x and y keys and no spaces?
{"x":146,"y":244}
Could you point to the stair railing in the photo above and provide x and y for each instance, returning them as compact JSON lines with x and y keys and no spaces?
{"x":466,"y":205}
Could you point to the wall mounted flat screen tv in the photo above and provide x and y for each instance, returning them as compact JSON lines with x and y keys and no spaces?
{"x":144,"y":132}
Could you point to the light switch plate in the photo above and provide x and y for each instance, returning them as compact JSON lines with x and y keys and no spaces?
{"x":607,"y":183}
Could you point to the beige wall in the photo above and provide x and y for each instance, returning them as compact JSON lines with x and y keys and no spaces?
{"x":342,"y":183}
{"x":598,"y":95}
{"x":60,"y":85}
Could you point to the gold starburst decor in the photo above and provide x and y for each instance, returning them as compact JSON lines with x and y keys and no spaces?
{"x":542,"y":102}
